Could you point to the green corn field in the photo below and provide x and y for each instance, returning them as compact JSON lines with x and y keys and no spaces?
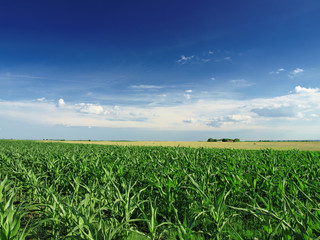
{"x":78,"y":191}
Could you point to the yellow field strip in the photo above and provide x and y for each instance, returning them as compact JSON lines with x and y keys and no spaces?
{"x":304,"y":146}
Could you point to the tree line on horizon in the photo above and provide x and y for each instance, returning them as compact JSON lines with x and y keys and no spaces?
{"x":223,"y":140}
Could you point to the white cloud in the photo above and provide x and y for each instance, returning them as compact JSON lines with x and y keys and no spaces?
{"x":290,"y":111}
{"x":278,"y":71}
{"x":227,"y":58}
{"x":299,"y":89}
{"x":213,"y":78}
{"x":295,"y":72}
{"x":90,"y":108}
{"x":184,"y":59}
{"x":61,"y":102}
{"x":41,"y":99}
{"x":189,"y":91}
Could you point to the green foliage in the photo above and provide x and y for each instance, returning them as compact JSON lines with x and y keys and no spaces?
{"x":10,"y":215}
{"x":75,"y":191}
{"x":212,"y":140}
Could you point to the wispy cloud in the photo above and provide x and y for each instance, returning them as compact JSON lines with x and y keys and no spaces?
{"x":187,"y":96}
{"x":295,"y":72}
{"x":240,"y":83}
{"x":205,"y":60}
{"x":277,"y":71}
{"x":142,"y":86}
{"x":193,"y":59}
{"x":9,"y":75}
{"x":205,"y":57}
{"x":41,"y":99}
{"x":183,"y":59}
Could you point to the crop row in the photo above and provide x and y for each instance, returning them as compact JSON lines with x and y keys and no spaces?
{"x":72,"y":191}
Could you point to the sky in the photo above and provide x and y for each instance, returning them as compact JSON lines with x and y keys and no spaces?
{"x":160,"y":70}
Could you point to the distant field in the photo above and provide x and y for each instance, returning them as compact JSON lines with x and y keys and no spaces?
{"x":303,"y":146}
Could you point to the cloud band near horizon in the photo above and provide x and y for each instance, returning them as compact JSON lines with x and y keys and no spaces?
{"x":302,"y":105}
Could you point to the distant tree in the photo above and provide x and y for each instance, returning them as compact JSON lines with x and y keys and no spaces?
{"x":223,"y":140}
{"x":212,"y":140}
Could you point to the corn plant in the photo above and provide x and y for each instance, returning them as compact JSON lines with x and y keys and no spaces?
{"x":73,"y":191}
{"x":10,"y":215}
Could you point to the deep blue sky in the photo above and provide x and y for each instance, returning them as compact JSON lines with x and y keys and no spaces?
{"x":160,"y":70}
